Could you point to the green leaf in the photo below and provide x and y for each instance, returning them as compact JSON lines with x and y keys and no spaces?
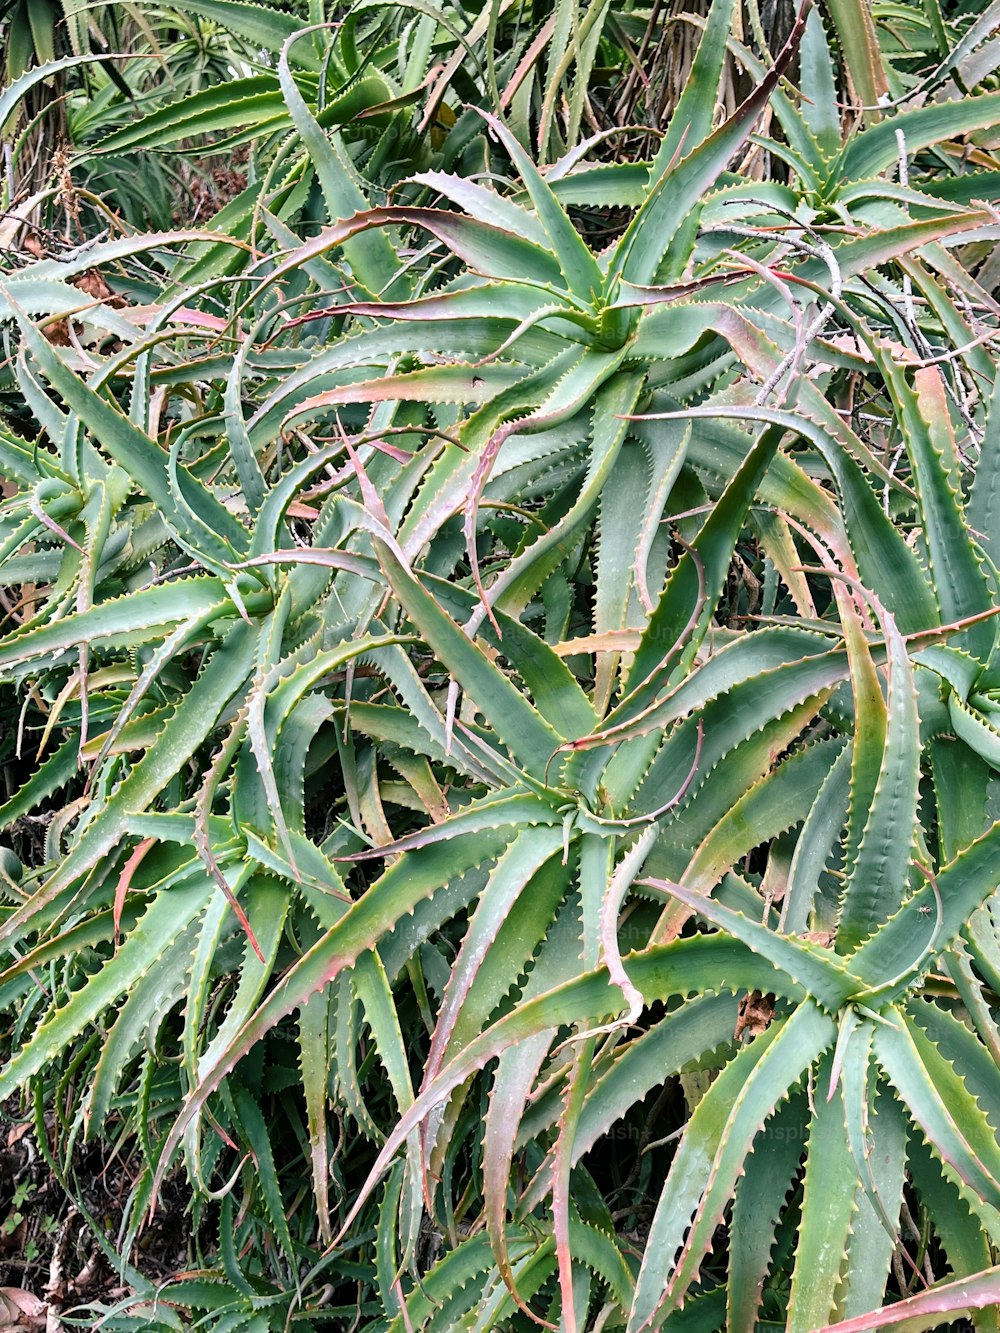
{"x":877,"y":148}
{"x":695,"y":583}
{"x":191,"y":722}
{"x":718,"y":1138}
{"x":134,"y":451}
{"x":930,"y":919}
{"x":371,"y":255}
{"x":878,"y":873}
{"x":983,"y":509}
{"x":691,"y":120}
{"x":940,"y":1104}
{"x":258,"y":24}
{"x":828,"y":1208}
{"x":580,"y":269}
{"x":819,"y":107}
{"x":159,"y":927}
{"x":761,"y":1194}
{"x":518,"y":725}
{"x":957,"y":578}
{"x":775,"y":803}
{"x":234,"y":105}
{"x":804,"y":963}
{"x":675,"y":193}
{"x":125,"y":621}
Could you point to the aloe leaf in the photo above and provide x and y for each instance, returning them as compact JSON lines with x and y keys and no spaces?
{"x":165,"y":918}
{"x":373,"y":990}
{"x":574,"y":1099}
{"x":958,"y":580}
{"x":513,"y":874}
{"x":972,"y":727}
{"x":17,"y":90}
{"x":820,"y":834}
{"x":540,"y":924}
{"x":622,"y":514}
{"x":26,"y":463}
{"x":124,"y":621}
{"x":131,"y":448}
{"x":704,"y":963}
{"x":965,"y":1242}
{"x":699,"y":1029}
{"x":876,"y":148}
{"x":960,"y":1046}
{"x":672,"y":196}
{"x":254,"y":1126}
{"x":188,"y":726}
{"x":248,"y":469}
{"x":885,"y":809}
{"x":805,"y":963}
{"x":486,"y":300}
{"x":214,"y":924}
{"x":258,"y":24}
{"x":486,"y":249}
{"x":139,"y":1018}
{"x":691,"y":121}
{"x":528,"y":736}
{"x":255,"y":101}
{"x":775,"y":803}
{"x":828,"y":1208}
{"x":267,"y":905}
{"x":582,"y":274}
{"x":938,"y":1101}
{"x":45,"y":272}
{"x":371,"y":255}
{"x":487,"y":205}
{"x":983,"y":505}
{"x":516,"y":1073}
{"x":526,"y":572}
{"x":47,"y":778}
{"x":960,"y":786}
{"x":819,"y":107}
{"x":929,"y":919}
{"x":918,"y":1313}
{"x":721,"y":1133}
{"x":765,"y":710}
{"x":696,"y":582}
{"x":386,"y":1257}
{"x":875,"y":1232}
{"x":759,"y":1203}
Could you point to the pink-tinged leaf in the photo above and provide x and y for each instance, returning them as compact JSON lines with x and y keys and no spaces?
{"x":575,"y":1097}
{"x":491,"y":251}
{"x":621,"y":881}
{"x":125,"y":880}
{"x":512,"y":1085}
{"x":513,"y":873}
{"x":186,"y":315}
{"x":485,"y":204}
{"x":921,"y":1312}
{"x":436,"y":384}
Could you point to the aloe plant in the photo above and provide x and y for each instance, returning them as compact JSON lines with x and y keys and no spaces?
{"x":506,"y":696}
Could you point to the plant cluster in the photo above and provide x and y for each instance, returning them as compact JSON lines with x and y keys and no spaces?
{"x":501,"y":670}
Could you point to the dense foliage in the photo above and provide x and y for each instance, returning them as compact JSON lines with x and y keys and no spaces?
{"x":500,"y":674}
